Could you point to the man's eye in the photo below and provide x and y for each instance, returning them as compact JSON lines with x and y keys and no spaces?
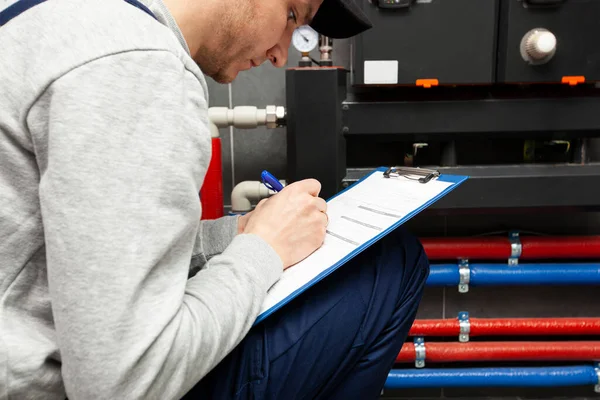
{"x":292,"y":15}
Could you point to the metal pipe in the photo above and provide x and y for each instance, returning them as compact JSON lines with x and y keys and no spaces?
{"x":503,"y":351}
{"x":492,"y":377}
{"x":325,"y":48}
{"x":522,"y":274}
{"x":508,"y":327}
{"x":496,"y":248}
{"x":244,"y":117}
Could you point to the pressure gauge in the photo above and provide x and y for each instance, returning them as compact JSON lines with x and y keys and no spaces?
{"x":305,"y":39}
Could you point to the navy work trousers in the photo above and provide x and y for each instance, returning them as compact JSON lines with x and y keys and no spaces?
{"x":337,"y":340}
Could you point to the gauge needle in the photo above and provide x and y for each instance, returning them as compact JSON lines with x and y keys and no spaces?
{"x":305,"y":38}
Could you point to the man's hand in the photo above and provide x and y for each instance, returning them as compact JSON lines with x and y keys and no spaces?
{"x":242,"y":221}
{"x":293,"y":221}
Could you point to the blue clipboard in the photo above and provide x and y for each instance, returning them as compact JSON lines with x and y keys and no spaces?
{"x":422,"y":175}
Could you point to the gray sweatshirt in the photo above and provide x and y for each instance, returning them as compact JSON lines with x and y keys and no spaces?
{"x":104,"y":144}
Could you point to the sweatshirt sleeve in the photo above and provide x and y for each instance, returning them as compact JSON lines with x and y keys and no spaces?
{"x":213,"y":238}
{"x":122,"y":143}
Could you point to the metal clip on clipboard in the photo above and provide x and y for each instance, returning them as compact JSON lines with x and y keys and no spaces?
{"x":425,"y":175}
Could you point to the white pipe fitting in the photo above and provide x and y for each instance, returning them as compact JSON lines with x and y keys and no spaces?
{"x":214,"y":130}
{"x":246,"y":192}
{"x":247,"y":117}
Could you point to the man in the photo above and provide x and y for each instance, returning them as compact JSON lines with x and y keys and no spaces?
{"x":111,"y":286}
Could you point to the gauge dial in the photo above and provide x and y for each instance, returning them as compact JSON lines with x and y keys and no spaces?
{"x":305,"y":39}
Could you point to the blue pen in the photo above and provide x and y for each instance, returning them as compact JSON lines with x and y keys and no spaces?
{"x":271,"y":182}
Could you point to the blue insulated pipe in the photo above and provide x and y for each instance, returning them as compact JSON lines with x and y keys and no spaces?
{"x":493,"y":377}
{"x":522,"y":274}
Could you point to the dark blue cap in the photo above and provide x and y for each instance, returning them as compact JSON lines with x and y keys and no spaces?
{"x":340,"y":19}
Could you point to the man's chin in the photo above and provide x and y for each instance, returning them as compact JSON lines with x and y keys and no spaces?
{"x":224,"y":77}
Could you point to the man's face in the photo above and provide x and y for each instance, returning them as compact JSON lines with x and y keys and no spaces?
{"x":252,"y":32}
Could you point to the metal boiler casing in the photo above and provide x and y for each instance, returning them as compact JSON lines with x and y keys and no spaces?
{"x":451,"y":41}
{"x":481,"y":119}
{"x":575,"y":24}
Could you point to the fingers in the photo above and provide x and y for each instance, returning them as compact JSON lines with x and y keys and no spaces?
{"x":320,"y":204}
{"x":261,"y":203}
{"x":311,"y":186}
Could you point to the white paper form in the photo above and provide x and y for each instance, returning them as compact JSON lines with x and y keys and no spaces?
{"x":356,"y":216}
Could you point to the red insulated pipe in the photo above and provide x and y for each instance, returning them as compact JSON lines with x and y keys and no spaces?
{"x":566,"y":247}
{"x":504,"y":351}
{"x":455,"y":248}
{"x":435,"y":327}
{"x":211,"y":193}
{"x":496,"y":248}
{"x":508,"y":326}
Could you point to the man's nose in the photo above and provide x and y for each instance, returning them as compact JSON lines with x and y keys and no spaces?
{"x":279,"y":53}
{"x":278,"y":56}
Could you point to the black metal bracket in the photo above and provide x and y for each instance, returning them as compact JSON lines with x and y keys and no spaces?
{"x":316,"y":147}
{"x":502,"y":187}
{"x":492,"y":117}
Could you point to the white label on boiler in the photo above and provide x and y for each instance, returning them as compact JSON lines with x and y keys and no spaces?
{"x":381,"y":72}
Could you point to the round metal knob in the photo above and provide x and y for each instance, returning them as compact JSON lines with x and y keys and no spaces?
{"x":538,"y":46}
